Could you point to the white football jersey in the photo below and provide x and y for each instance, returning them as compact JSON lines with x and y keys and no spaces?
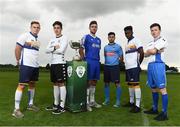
{"x":159,"y":43}
{"x":29,"y":54}
{"x":131,"y":53}
{"x":58,"y":54}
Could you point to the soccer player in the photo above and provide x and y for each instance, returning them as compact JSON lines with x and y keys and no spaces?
{"x":156,"y":72}
{"x":113,"y":55}
{"x":134,"y":55}
{"x":57,"y":48}
{"x":27,"y":52}
{"x":92,"y":45}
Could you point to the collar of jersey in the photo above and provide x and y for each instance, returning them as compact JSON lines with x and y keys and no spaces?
{"x":130,"y":38}
{"x":92,"y":35}
{"x":112,"y":43}
{"x":33,"y":35}
{"x":155,"y":39}
{"x":59,"y":36}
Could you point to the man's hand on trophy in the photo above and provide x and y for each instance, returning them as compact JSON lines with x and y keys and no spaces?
{"x":56,"y":47}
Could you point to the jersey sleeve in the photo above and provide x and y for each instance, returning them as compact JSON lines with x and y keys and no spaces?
{"x":50,"y":47}
{"x":120,"y":53}
{"x":63,"y":46}
{"x":162,"y":43}
{"x":100,"y":42}
{"x":138,"y":43}
{"x":21,"y":40}
{"x":83,"y":42}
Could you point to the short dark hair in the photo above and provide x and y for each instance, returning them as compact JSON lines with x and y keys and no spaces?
{"x":111,"y":33}
{"x":93,"y":22}
{"x":154,"y":25}
{"x":57,"y":23}
{"x":34,"y":22}
{"x":128,"y":28}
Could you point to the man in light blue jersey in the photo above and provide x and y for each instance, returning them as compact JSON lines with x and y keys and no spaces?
{"x":113,"y":55}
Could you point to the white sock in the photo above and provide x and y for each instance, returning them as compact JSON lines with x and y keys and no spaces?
{"x":138,"y":96}
{"x":18,"y":96}
{"x":131,"y":95}
{"x":92,"y":93}
{"x":87,"y":95}
{"x":56,"y":94}
{"x":31,"y":93}
{"x":63,"y":95}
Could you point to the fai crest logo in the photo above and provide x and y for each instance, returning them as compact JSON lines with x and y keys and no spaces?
{"x":80,"y":70}
{"x":69,"y":71}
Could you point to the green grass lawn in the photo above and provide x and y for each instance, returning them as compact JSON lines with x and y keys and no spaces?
{"x":107,"y":115}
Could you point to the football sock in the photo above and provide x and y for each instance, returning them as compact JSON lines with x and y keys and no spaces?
{"x":107,"y":92}
{"x":164,"y":103}
{"x":87,"y":95}
{"x":92,"y":93}
{"x":63,"y":95}
{"x":31,"y":92}
{"x":56,"y":91}
{"x":118,"y":94}
{"x":155,"y":96}
{"x":18,"y":96}
{"x":138,"y":95}
{"x":131,"y":94}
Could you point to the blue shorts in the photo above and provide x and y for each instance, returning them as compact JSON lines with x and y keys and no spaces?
{"x":93,"y":69}
{"x":156,"y":75}
{"x":27,"y":74}
{"x":112,"y":73}
{"x":132,"y":75}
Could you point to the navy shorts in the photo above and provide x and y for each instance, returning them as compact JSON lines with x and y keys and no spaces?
{"x":27,"y":74}
{"x":58,"y":73}
{"x":111,"y":73}
{"x":93,"y":69}
{"x":156,"y":75}
{"x":133,"y":75}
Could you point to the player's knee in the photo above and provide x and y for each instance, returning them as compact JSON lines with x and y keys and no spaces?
{"x":117,"y":83}
{"x":94,"y":82}
{"x":20,"y":87}
{"x":137,"y":86}
{"x":163,"y":91}
{"x":61,"y":84}
{"x":31,"y":84}
{"x":154,"y":90}
{"x":106,"y":84}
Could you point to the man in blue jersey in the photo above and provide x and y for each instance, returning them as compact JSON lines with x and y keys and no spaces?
{"x":156,"y":72}
{"x":89,"y":52}
{"x":113,"y":55}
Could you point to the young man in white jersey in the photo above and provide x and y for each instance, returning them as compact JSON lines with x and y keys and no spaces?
{"x":27,"y":52}
{"x":57,"y":48}
{"x":156,"y":72}
{"x":134,"y":55}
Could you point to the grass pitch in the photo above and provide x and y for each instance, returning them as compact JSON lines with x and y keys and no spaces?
{"x":107,"y":115}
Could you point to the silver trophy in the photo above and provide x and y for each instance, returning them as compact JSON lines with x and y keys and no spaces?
{"x":75,"y":45}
